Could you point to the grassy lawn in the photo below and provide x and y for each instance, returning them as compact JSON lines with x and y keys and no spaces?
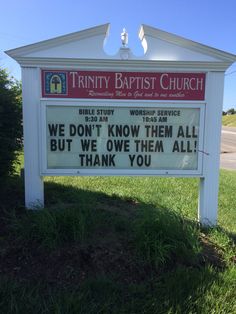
{"x":117,"y":245}
{"x":229,"y":120}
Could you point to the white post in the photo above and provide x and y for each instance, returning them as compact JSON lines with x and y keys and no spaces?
{"x":209,"y":184}
{"x":34,"y":189}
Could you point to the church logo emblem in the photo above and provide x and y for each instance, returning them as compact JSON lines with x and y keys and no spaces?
{"x":55,"y":83}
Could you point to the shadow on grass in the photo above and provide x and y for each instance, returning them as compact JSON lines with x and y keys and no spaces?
{"x":12,"y":192}
{"x":93,"y":253}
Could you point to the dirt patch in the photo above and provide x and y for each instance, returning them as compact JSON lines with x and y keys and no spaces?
{"x":71,"y":265}
{"x":108,"y":253}
{"x":211,"y":253}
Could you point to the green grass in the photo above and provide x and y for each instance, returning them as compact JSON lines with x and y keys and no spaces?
{"x":117,"y":245}
{"x":229,"y":120}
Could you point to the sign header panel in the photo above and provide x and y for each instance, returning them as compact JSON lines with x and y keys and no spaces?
{"x":123,"y":85}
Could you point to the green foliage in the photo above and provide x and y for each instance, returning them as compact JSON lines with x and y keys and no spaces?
{"x":118,"y":245}
{"x":10,"y":123}
{"x":185,"y":291}
{"x":231,"y":111}
{"x":51,"y":228}
{"x":164,"y":237}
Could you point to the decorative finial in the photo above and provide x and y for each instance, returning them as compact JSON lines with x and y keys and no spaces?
{"x":124,"y":38}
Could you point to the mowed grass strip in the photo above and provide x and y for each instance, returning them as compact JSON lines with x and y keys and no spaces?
{"x":117,"y":245}
{"x":229,"y":120}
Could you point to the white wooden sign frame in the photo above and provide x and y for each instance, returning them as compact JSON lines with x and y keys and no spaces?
{"x":164,"y":52}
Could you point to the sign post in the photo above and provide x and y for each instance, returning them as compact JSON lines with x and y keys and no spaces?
{"x":86,"y":113}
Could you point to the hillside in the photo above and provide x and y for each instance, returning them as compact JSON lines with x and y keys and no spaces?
{"x":229,"y":120}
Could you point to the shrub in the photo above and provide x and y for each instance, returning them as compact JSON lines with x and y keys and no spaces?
{"x":10,"y":123}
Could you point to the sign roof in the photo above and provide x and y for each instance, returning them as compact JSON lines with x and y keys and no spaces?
{"x":88,"y":44}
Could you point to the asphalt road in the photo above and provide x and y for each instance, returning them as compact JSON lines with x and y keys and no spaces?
{"x":228,"y":148}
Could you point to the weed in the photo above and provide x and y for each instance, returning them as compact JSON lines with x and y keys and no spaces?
{"x":162,"y":237}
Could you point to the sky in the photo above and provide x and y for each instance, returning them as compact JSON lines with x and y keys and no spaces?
{"x":209,"y":22}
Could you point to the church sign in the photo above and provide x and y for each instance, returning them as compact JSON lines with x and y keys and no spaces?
{"x":88,"y":113}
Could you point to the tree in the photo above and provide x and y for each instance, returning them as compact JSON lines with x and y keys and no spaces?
{"x":231,"y":111}
{"x":10,"y":123}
